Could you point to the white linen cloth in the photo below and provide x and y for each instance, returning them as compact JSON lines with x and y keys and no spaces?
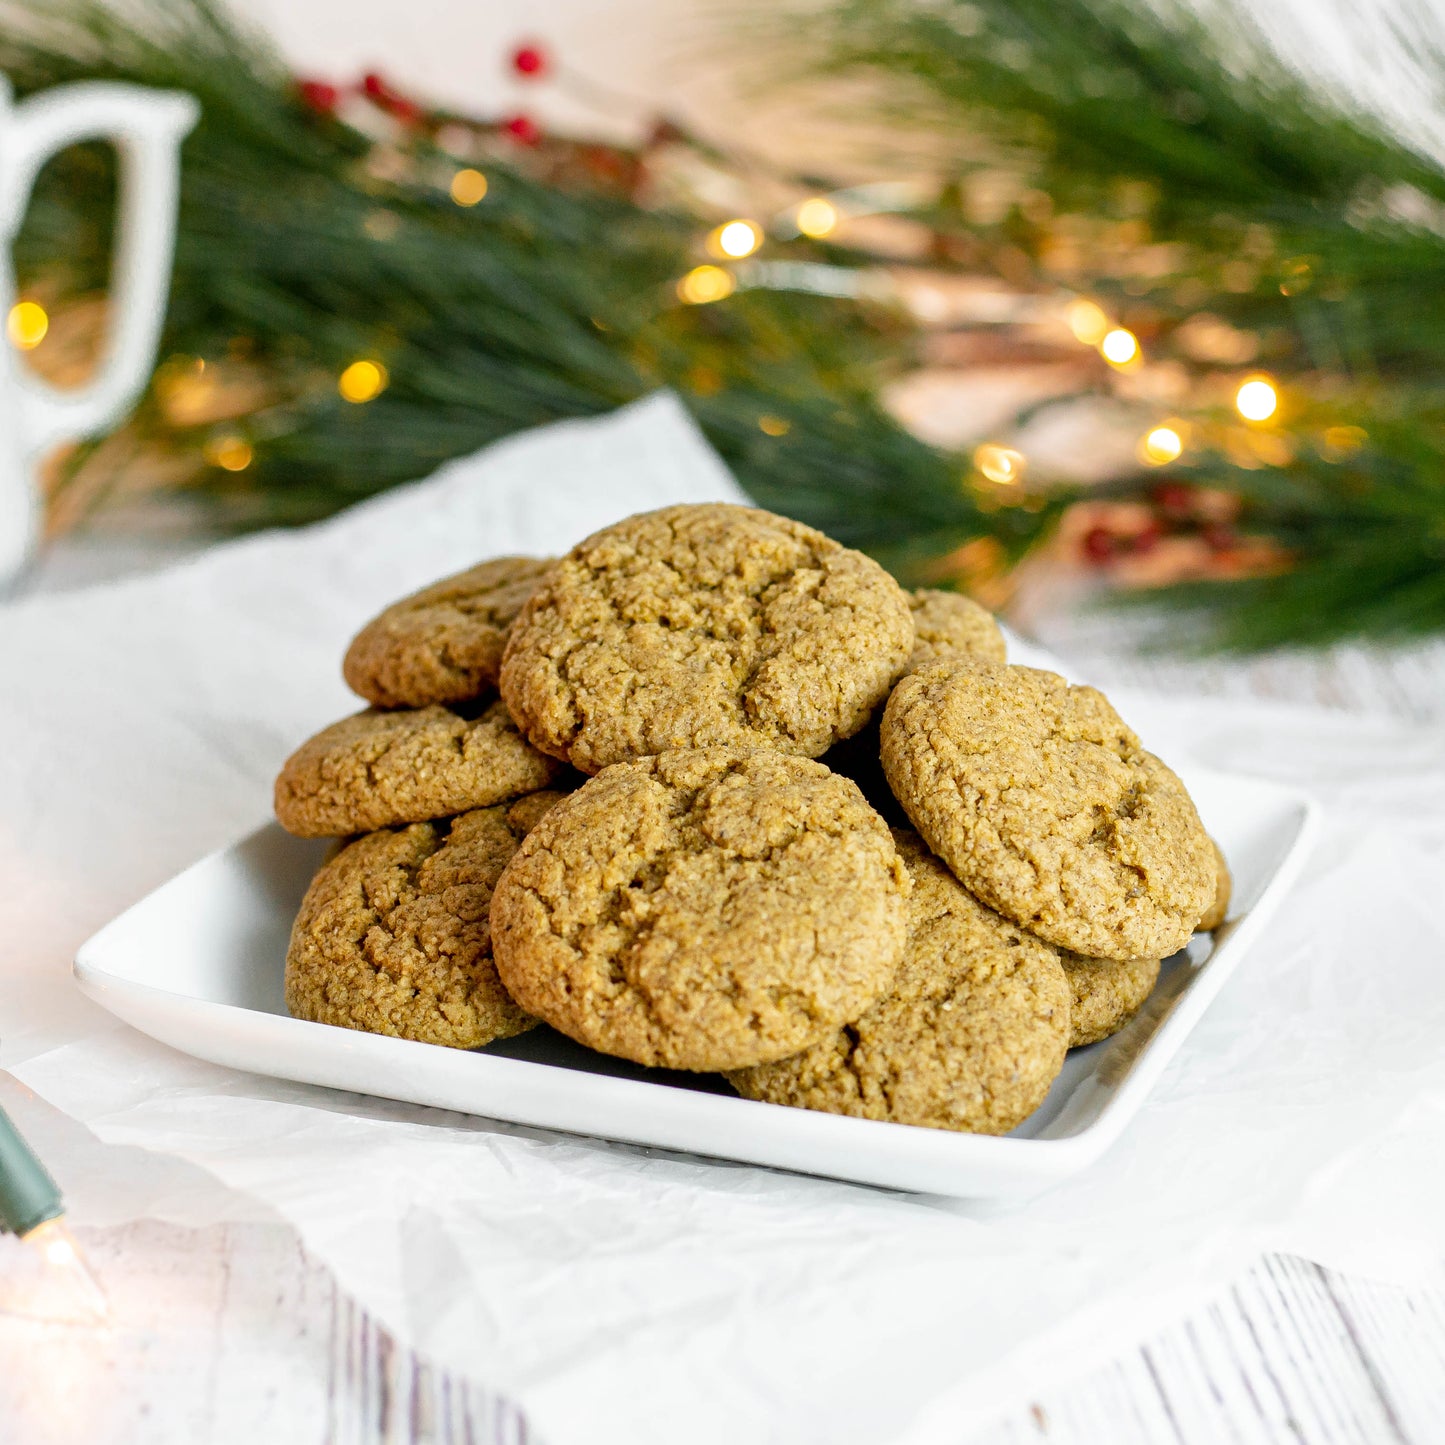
{"x":619,"y":1294}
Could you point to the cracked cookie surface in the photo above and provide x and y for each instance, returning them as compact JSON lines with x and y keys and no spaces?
{"x":393,"y":935}
{"x":969,"y":1037}
{"x":1218,"y":908}
{"x":948,"y":624}
{"x":707,"y":908}
{"x":375,"y":769}
{"x":1106,"y":994}
{"x":1048,"y":808}
{"x":704,"y":625}
{"x":444,"y":643}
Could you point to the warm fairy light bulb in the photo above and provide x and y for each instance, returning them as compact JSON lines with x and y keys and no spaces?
{"x":817,"y":218}
{"x":999,"y":464}
{"x":1161,"y":445}
{"x":468,"y":187}
{"x":27,"y":324}
{"x":706,"y":283}
{"x":1088,"y":322}
{"x":362,"y":381}
{"x":1256,"y":399}
{"x":1120,"y":347}
{"x":230,"y":453}
{"x":54,"y":1244}
{"x":736,"y":239}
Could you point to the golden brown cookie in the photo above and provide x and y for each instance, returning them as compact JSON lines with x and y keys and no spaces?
{"x":948,"y":624}
{"x":970,"y":1036}
{"x":703,"y":909}
{"x":393,"y":934}
{"x":444,"y":643}
{"x":1106,"y":994}
{"x":1046,"y":806}
{"x":375,"y":769}
{"x":706,"y":625}
{"x":1218,"y":908}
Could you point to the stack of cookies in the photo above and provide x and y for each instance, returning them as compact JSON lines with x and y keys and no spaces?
{"x":642,"y":794}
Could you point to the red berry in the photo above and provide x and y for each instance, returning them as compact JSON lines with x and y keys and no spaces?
{"x":1220,"y":538}
{"x":319,"y":95}
{"x":529,"y":60}
{"x":1147,"y":538}
{"x":1174,"y":498}
{"x":1098,"y":544}
{"x":375,"y":86}
{"x":523,"y":129}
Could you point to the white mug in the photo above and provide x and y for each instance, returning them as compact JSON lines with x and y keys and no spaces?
{"x":147,"y":127}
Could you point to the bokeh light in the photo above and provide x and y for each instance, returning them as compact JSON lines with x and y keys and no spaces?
{"x":706,"y":283}
{"x":468,"y":187}
{"x":1257,"y":399}
{"x":27,"y":324}
{"x":362,"y":381}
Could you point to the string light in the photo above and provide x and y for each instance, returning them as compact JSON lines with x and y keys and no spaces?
{"x":1087,"y":321}
{"x":735,"y":239}
{"x":230,"y":453}
{"x":999,"y":464}
{"x":362,"y":381}
{"x":1161,"y":445}
{"x":27,"y":324}
{"x":1256,"y":399}
{"x":468,"y":187}
{"x":817,"y":218}
{"x":706,"y":283}
{"x":1345,"y":439}
{"x":1120,"y":347}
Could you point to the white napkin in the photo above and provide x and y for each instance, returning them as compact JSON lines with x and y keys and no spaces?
{"x":617,"y":1293}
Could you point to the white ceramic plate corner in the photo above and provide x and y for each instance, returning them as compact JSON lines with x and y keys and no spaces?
{"x":199,"y":965}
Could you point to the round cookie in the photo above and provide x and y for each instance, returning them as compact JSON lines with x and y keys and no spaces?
{"x":1218,"y":908}
{"x":948,"y":624}
{"x":970,"y":1036}
{"x":707,"y":908}
{"x":705,"y":625}
{"x":393,"y":934}
{"x":376,"y":769}
{"x":1046,"y":806}
{"x":444,"y":643}
{"x":1106,"y":994}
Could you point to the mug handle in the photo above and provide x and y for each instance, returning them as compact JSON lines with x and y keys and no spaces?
{"x":147,"y":128}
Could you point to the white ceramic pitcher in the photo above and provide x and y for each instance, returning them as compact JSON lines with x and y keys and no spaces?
{"x":147,"y":127}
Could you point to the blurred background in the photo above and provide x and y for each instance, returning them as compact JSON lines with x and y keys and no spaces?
{"x":1049,"y":300}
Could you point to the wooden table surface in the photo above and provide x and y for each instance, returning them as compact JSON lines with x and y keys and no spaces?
{"x":234,"y":1335}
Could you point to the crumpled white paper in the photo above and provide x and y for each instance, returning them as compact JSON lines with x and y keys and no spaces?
{"x":617,"y":1293}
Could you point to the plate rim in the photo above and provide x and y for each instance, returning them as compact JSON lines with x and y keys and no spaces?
{"x":1035,"y":1163}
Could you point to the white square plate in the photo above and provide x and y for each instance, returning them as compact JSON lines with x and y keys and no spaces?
{"x":199,"y":964}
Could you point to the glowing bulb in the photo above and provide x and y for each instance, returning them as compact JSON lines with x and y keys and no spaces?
{"x":468,"y":187}
{"x":27,"y":324}
{"x":230,"y":453}
{"x":1257,"y":399}
{"x":1120,"y":347}
{"x":999,"y":464}
{"x":1161,"y":445}
{"x":1345,"y":438}
{"x":706,"y":283}
{"x":736,"y":239}
{"x":1087,"y":322}
{"x":817,"y":217}
{"x":362,"y":381}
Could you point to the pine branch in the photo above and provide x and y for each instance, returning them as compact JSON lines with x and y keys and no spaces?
{"x":540,"y":303}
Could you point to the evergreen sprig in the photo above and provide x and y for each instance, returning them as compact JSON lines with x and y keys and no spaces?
{"x":542,"y":302}
{"x":1297,"y":217}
